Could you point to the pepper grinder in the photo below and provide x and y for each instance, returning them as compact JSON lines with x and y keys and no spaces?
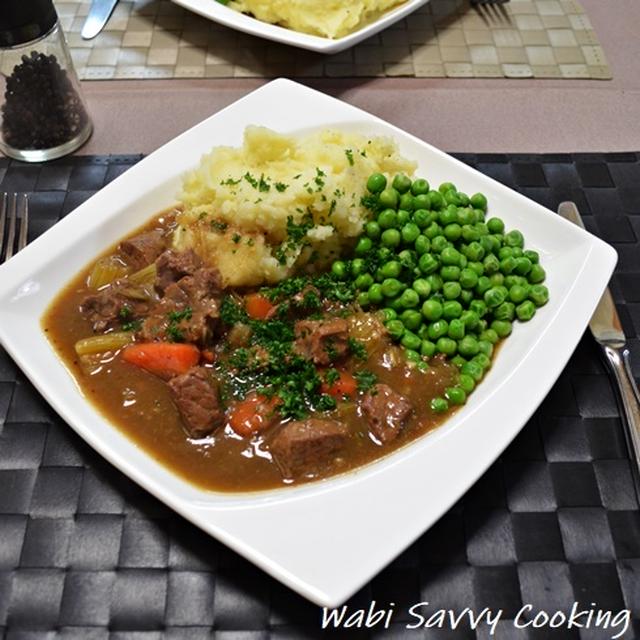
{"x":43,"y":115}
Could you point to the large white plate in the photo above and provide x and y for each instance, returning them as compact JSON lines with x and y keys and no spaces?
{"x":229,"y":17}
{"x":327,"y":539}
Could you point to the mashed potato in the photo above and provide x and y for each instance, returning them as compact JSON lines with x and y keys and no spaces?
{"x":327,"y":18}
{"x":279,"y":204}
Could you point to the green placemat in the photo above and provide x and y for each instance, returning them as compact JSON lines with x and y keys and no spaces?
{"x":445,"y":38}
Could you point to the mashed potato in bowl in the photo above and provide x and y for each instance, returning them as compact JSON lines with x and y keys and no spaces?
{"x":279,"y":203}
{"x":326,"y":18}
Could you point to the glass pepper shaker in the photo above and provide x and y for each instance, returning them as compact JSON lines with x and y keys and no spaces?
{"x":42,"y":112}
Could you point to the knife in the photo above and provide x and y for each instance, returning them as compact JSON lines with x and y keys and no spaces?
{"x":98,"y":15}
{"x":606,"y":329}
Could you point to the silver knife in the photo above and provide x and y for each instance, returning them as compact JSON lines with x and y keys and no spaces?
{"x":98,"y":15}
{"x":606,"y":329}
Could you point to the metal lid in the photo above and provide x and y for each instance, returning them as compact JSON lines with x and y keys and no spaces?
{"x":25,"y":20}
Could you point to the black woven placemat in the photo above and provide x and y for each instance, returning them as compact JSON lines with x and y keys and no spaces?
{"x":86,"y":554}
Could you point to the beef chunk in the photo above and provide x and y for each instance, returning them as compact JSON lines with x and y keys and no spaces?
{"x":195,"y":393}
{"x":114,"y":306}
{"x":143,"y":249}
{"x":307,"y":446}
{"x":188,"y":311}
{"x":386,"y":412}
{"x":174,"y":265}
{"x":323,"y":341}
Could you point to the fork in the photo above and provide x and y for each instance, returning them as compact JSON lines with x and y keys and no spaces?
{"x":491,"y":9}
{"x":12,"y":208}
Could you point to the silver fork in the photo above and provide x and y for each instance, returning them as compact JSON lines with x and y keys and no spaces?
{"x":12,"y":207}
{"x":490,"y":10}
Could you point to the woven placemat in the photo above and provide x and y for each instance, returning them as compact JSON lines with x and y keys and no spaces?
{"x":520,"y":39}
{"x":85,"y":554}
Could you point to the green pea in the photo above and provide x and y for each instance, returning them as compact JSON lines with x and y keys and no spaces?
{"x":455,"y":395}
{"x":464,"y":199}
{"x":435,"y":281}
{"x":470,"y":233}
{"x":410,"y":340}
{"x":376,"y":183}
{"x":450,"y":273}
{"x":432,"y":310}
{"x":490,"y":244}
{"x":388,"y":314}
{"x":363,"y":299}
{"x":395,"y":304}
{"x":472,"y":369}
{"x":339,"y":269}
{"x":446,"y":346}
{"x":422,"y":218}
{"x":497,"y":280}
{"x":447,"y":186}
{"x":474,"y":252}
{"x":523,"y":266}
{"x":482,"y":360}
{"x":358,"y":266}
{"x":402,"y":183}
{"x":518,"y":252}
{"x":495,"y":225}
{"x":372,"y":229}
{"x":468,"y":278}
{"x":438,"y":329}
{"x":412,"y":356}
{"x":450,"y":256}
{"x":489,"y":335}
{"x":409,"y":299}
{"x":478,"y":201}
{"x":466,"y":383}
{"x":502,"y":327}
{"x":452,"y":232}
{"x":391,"y":269}
{"x":439,"y":243}
{"x":432,"y":231}
{"x":448,"y":216}
{"x":485,"y":347}
{"x":422,"y":244}
{"x":406,"y":202}
{"x":427,"y":263}
{"x":532,"y":255}
{"x":539,"y":295}
{"x":466,"y":296}
{"x":470,"y":319}
{"x":422,"y":287}
{"x":363,"y":246}
{"x":505,"y":252}
{"x":537,"y":274}
{"x":451,"y":290}
{"x":388,"y":219}
{"x":375,"y":293}
{"x":514,"y":239}
{"x":526,"y":311}
{"x":388,"y":198}
{"x":507,"y":265}
{"x":391,"y":287}
{"x":468,"y":347}
{"x":439,"y":405}
{"x":403,"y":217}
{"x":505,"y":311}
{"x":451,"y":309}
{"x":436,"y":201}
{"x":419,"y":187}
{"x":395,"y":329}
{"x":456,"y":329}
{"x":427,"y":348}
{"x":494,"y":297}
{"x":411,"y":319}
{"x":518,"y":293}
{"x":451,"y":197}
{"x":482,"y":325}
{"x":390,"y":238}
{"x":491,"y":264}
{"x":408,"y":259}
{"x":466,"y":216}
{"x":364,"y":281}
{"x":384,"y":254}
{"x":410,"y":232}
{"x":422,"y":201}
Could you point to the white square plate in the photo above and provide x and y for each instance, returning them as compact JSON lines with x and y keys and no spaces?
{"x":327,"y":539}
{"x":229,"y":17}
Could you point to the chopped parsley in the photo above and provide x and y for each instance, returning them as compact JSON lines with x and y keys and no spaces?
{"x":280,"y":186}
{"x":236,"y":238}
{"x":218,"y":225}
{"x":251,"y":180}
{"x":365,"y":380}
{"x":349,"y":154}
{"x":357,"y":349}
{"x":174,"y":332}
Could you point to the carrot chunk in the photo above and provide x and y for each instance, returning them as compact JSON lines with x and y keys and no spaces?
{"x":164,"y":359}
{"x":258,"y":306}
{"x":345,"y":385}
{"x":253,"y":414}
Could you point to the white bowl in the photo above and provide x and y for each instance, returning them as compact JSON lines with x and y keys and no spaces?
{"x":229,"y":17}
{"x":324,"y":540}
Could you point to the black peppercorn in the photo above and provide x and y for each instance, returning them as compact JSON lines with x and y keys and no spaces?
{"x":42,"y":109}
